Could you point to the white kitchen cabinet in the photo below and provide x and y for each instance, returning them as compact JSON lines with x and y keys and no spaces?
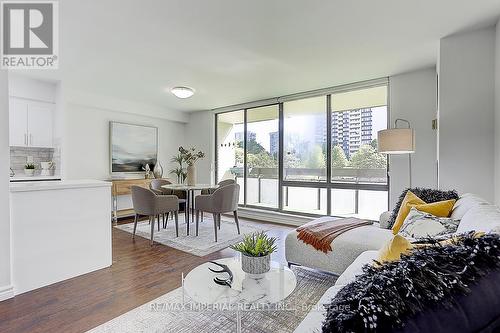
{"x":31,"y":123}
{"x":18,"y":122}
{"x":40,"y":124}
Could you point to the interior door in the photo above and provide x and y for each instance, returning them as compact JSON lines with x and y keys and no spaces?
{"x":18,"y":122}
{"x":40,"y":124}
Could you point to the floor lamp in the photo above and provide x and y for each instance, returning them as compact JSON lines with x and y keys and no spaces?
{"x":396,"y":141}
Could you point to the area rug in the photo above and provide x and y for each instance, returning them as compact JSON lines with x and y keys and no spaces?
{"x":200,"y":245}
{"x":164,"y":314}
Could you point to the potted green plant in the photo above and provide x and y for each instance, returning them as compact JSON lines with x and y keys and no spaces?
{"x":190,"y":156}
{"x":256,"y":252}
{"x":179,"y":170}
{"x":29,"y":169}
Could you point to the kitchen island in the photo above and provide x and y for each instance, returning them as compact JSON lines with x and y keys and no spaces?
{"x":60,"y":229}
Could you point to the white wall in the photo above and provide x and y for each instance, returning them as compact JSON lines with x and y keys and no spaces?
{"x":25,"y":87}
{"x":466,"y":112}
{"x":200,"y":134}
{"x":497,"y":115}
{"x":5,"y":267}
{"x":86,"y":139}
{"x":413,"y":97}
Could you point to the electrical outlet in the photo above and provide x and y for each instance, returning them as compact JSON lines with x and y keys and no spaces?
{"x":29,"y":159}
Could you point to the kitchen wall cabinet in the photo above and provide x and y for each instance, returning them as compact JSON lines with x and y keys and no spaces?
{"x":30,"y":123}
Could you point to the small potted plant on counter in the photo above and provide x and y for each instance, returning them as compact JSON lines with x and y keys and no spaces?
{"x":256,"y":252}
{"x":29,"y":169}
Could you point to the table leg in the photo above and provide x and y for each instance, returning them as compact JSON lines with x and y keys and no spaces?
{"x":192,"y":205}
{"x":187,"y":211}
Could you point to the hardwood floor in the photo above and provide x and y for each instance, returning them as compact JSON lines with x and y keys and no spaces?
{"x":139,"y":274}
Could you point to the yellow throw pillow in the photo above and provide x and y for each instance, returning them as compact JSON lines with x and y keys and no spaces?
{"x":439,"y":209}
{"x":409,"y":200}
{"x":394,"y":248}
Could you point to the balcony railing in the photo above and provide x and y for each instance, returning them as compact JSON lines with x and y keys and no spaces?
{"x":263,"y":186}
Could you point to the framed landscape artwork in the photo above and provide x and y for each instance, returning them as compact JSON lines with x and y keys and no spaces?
{"x":132,"y":147}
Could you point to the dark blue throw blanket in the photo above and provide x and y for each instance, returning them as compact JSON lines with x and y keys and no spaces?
{"x":439,"y":288}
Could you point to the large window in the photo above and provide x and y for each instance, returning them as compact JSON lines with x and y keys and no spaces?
{"x":315,"y":155}
{"x":356,"y":117}
{"x":304,"y":129}
{"x":262,"y":155}
{"x":230,"y":141}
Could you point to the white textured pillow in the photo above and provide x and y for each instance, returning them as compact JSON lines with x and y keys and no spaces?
{"x":420,"y":224}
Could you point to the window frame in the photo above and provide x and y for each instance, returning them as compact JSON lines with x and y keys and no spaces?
{"x":328,"y":184}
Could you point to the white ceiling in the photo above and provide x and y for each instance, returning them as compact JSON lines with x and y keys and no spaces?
{"x":233,"y":51}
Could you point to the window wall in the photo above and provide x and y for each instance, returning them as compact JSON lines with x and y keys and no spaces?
{"x":304,"y":128}
{"x":230,"y":147}
{"x":315,"y":155}
{"x":262,"y":156}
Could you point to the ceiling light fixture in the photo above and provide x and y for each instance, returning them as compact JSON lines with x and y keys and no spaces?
{"x":182,"y":92}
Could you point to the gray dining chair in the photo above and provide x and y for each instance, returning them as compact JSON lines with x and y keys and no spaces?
{"x":156,"y":186}
{"x":222,"y":200}
{"x":147,"y":203}
{"x":220,"y":184}
{"x":212,"y":190}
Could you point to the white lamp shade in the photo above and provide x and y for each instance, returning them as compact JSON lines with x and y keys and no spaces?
{"x":396,"y":141}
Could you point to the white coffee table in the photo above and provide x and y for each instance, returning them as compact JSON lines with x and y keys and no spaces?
{"x":271,"y":287}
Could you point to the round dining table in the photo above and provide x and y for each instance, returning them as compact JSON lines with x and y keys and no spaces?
{"x":190,"y":192}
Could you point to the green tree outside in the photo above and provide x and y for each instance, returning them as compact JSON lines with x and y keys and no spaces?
{"x":367,"y":157}
{"x":339,"y":160}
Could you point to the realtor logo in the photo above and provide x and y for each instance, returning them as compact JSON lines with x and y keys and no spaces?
{"x":29,"y":34}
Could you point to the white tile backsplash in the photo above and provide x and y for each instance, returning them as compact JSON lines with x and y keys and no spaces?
{"x":19,"y":156}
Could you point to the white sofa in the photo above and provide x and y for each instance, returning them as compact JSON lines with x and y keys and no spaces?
{"x":472,"y":210}
{"x":474,"y":214}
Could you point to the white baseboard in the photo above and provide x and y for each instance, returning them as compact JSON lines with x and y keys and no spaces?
{"x":273,"y":217}
{"x":6,"y":292}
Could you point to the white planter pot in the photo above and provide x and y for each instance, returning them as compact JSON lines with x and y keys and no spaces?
{"x":255,"y":265}
{"x":29,"y":172}
{"x":191,"y":175}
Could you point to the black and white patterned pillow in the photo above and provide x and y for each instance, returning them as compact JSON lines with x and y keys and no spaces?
{"x":420,"y":224}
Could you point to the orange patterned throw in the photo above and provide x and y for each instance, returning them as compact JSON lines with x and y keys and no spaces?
{"x":320,"y":234}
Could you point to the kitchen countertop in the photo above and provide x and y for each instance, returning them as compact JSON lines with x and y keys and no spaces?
{"x":33,"y":178}
{"x":56,"y":185}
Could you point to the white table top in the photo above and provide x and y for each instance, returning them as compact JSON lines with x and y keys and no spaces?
{"x":185,"y":187}
{"x":273,"y":287}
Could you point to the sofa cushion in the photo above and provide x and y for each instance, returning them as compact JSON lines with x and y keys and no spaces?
{"x":427,"y":195}
{"x":421,"y":224}
{"x":356,"y":267}
{"x":384,"y":220}
{"x":410,"y":200}
{"x":345,"y":248}
{"x":312,"y":322}
{"x":478,"y":311}
{"x":481,"y":217}
{"x":385,"y":297}
{"x":466,"y":202}
{"x":393,"y":249}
